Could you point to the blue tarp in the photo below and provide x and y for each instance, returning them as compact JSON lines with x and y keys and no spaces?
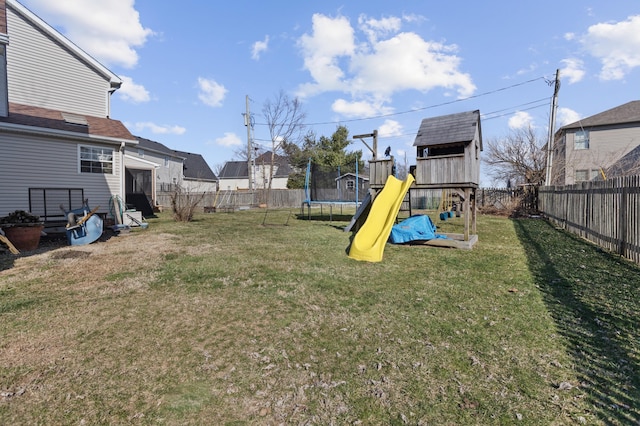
{"x":414,"y":228}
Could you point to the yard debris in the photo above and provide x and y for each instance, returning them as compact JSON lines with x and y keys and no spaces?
{"x":565,"y":386}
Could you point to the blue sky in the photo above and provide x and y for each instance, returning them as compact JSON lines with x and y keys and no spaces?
{"x":187,"y":66}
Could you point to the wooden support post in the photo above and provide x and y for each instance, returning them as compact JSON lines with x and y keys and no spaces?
{"x":473,"y":212}
{"x":467,"y":209}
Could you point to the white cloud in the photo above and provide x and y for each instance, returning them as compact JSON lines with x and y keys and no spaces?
{"x":616,"y":45}
{"x":359,"y":108}
{"x":520,"y":120}
{"x":159,"y":129}
{"x":390,"y":128}
{"x":573,"y":70}
{"x":259,"y":47}
{"x":211,"y":92}
{"x":229,"y":139}
{"x":332,"y":38}
{"x":109,"y":30}
{"x":566,"y":116}
{"x":130,"y":91}
{"x":375,"y":28}
{"x":388,"y":61}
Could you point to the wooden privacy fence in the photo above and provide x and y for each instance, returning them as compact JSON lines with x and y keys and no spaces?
{"x":604,"y":212}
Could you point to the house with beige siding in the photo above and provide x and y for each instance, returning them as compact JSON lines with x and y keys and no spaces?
{"x":58,"y":142}
{"x":598,"y":147}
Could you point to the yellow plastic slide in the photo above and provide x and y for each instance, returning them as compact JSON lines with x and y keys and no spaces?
{"x":368,"y":243}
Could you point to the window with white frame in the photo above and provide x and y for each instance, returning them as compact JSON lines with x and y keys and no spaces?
{"x":96,"y":160}
{"x":582,"y":175}
{"x":351,"y":184}
{"x":581,"y":139}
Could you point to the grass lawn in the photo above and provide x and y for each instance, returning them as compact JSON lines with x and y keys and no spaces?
{"x":238,"y":319}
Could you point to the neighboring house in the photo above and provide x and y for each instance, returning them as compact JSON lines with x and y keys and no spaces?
{"x":234,"y":175}
{"x":601,"y":146}
{"x":197,"y":175}
{"x":152,"y":167}
{"x":58,"y":143}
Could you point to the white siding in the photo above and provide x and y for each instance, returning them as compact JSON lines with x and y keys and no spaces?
{"x":52,"y":163}
{"x":43,"y":73}
{"x":233,"y":184}
{"x":195,"y":186}
{"x":606,"y":146}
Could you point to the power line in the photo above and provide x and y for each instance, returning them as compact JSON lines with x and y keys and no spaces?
{"x":491,"y":92}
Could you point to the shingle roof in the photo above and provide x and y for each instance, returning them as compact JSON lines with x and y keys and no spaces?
{"x":238,"y":169}
{"x":195,"y":166}
{"x":155,"y":146}
{"x":234,"y":169}
{"x":45,"y":118}
{"x":625,"y":113}
{"x":448,"y":129}
{"x":629,"y":163}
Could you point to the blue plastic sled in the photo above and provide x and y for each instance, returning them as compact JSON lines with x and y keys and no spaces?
{"x":84,"y":226}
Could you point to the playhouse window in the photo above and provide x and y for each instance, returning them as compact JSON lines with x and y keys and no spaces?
{"x":438,"y":151}
{"x":351,"y":184}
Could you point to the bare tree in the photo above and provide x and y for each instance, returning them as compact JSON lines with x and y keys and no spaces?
{"x":285,"y":119}
{"x":518,"y":158}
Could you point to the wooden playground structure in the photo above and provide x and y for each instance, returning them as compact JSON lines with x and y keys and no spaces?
{"x":448,"y":159}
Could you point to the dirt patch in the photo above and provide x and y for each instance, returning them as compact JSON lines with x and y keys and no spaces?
{"x":109,"y":254}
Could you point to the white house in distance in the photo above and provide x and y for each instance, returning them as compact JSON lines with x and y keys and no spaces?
{"x":58,"y":142}
{"x":234,"y":174}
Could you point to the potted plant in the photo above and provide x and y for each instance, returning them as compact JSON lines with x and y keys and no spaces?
{"x":23,"y":229}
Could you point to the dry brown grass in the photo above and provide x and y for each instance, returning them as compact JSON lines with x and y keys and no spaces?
{"x":223,"y":320}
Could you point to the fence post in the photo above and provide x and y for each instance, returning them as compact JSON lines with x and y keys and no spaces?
{"x":622,"y":211}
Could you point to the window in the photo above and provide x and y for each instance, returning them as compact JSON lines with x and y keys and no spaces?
{"x":351,"y":184}
{"x":96,"y":160}
{"x":582,"y":175}
{"x":581,"y":139}
{"x":595,"y":174}
{"x":141,"y":153}
{"x":166,"y":161}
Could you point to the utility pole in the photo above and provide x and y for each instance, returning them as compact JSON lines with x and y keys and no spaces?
{"x":247,"y":122}
{"x":552,"y":125}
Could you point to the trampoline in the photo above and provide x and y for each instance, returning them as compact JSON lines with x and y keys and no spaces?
{"x":329,"y":187}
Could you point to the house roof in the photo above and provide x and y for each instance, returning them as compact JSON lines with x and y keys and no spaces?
{"x":234,"y":169}
{"x":238,"y":169}
{"x":114,"y":80}
{"x":156,"y":147}
{"x":623,"y":114}
{"x":629,"y":163}
{"x":53,"y":120}
{"x":364,"y":178}
{"x":195,"y":167}
{"x":449,"y":129}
